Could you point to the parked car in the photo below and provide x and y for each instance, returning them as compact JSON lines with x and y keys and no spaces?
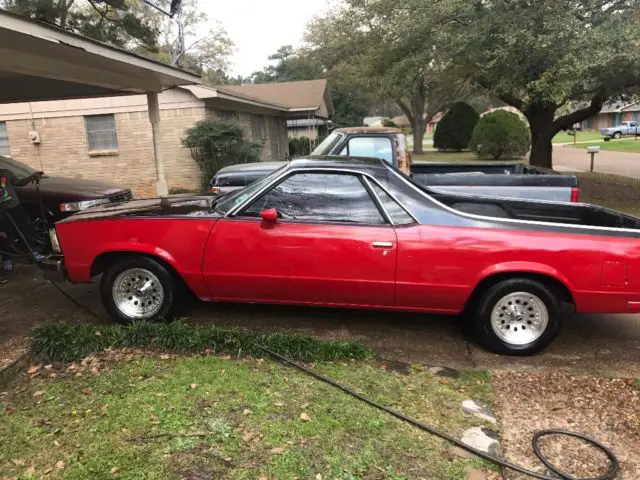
{"x":357,"y":233}
{"x":624,"y":129}
{"x":60,"y":196}
{"x":511,"y":180}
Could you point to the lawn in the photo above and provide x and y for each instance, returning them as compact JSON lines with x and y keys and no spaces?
{"x":625,"y":145}
{"x":562,"y":137}
{"x":612,"y":191}
{"x":157,"y":417}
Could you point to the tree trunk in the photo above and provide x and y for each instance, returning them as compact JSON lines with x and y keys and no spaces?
{"x":417,"y":128}
{"x":542,"y":130}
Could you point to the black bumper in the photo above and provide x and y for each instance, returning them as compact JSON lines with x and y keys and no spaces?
{"x":53,"y":269}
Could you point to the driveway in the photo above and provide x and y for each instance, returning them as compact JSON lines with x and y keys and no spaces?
{"x":607,"y":345}
{"x":567,"y":158}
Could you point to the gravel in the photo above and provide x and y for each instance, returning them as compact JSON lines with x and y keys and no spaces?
{"x":606,"y":409}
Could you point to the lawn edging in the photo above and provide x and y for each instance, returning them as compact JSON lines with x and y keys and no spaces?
{"x":64,"y":342}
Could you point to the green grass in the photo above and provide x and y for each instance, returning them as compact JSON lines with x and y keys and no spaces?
{"x":66,"y":342}
{"x":625,"y":145}
{"x":562,"y":137}
{"x":611,"y":191}
{"x":92,"y":421}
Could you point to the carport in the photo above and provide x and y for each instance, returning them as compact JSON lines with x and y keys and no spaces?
{"x":39,"y":61}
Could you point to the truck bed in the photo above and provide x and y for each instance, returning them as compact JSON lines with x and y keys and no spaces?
{"x":556,"y":212}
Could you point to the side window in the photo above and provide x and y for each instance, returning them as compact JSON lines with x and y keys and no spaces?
{"x":101,"y":133}
{"x":328,"y":197}
{"x":393,"y":208}
{"x":377,"y":147}
{"x":4,"y":139}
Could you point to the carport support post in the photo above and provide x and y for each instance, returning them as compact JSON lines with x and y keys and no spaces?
{"x":154,"y":117}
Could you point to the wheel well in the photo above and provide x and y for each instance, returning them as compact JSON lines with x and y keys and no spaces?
{"x":553,"y":283}
{"x":103,"y":260}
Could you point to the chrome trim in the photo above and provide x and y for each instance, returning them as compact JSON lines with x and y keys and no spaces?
{"x":406,"y":210}
{"x":382,"y":244}
{"x":511,"y":220}
{"x":371,"y":191}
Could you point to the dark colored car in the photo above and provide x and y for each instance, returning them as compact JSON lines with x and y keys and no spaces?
{"x":60,"y":196}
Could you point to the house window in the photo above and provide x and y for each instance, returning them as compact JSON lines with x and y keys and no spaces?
{"x":101,"y":133}
{"x":228,"y":115}
{"x":257,"y":127}
{"x":4,"y":139}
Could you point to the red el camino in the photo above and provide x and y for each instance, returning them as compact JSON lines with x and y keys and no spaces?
{"x":350,"y":232}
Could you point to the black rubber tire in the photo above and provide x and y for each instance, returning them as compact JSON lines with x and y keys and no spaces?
{"x":486,"y":302}
{"x":617,"y":135}
{"x":166,"y":279}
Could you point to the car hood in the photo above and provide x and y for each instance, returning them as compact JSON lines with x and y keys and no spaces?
{"x":77,"y":187}
{"x":153,"y":207}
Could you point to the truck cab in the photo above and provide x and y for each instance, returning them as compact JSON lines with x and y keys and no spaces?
{"x":388,"y":144}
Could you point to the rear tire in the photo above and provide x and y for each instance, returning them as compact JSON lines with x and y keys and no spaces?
{"x":517,"y":317}
{"x":138,"y":288}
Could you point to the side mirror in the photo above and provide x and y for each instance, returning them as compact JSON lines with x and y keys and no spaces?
{"x":269,"y":215}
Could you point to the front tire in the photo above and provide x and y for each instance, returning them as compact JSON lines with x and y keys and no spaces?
{"x":138,"y":288}
{"x":617,"y":135}
{"x":517,"y":317}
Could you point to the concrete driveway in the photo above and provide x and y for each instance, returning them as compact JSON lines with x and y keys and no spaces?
{"x":567,"y":158}
{"x":606,"y":345}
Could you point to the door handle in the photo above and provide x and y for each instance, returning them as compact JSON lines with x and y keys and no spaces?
{"x":382,"y":244}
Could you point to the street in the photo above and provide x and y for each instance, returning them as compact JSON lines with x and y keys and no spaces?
{"x":567,"y":158}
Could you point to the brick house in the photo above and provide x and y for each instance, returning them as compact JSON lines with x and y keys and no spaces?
{"x":612,"y":114}
{"x":309,"y":103}
{"x":110,"y":138}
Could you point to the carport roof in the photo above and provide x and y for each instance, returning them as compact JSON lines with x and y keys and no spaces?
{"x":39,"y":61}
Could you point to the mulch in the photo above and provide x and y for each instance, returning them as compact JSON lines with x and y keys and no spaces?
{"x":603,"y":408}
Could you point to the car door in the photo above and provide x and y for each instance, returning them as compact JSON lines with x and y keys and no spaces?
{"x":330,"y":245}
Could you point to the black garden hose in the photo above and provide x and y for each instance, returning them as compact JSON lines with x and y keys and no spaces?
{"x":610,"y":474}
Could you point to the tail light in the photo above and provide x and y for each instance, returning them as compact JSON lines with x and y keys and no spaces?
{"x":214,"y":190}
{"x":575,"y":193}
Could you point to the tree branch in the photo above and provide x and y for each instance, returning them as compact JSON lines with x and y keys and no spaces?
{"x":569,"y":119}
{"x":405,"y":109}
{"x":100,"y":12}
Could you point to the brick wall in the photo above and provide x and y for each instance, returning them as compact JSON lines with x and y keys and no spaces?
{"x":64,"y":149}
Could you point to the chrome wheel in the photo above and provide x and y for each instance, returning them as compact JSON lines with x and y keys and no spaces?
{"x":519,"y":318}
{"x":137,"y":293}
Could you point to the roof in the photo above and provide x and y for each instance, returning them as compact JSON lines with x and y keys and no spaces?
{"x":337,"y":161}
{"x":204,"y":92}
{"x":368,"y":130}
{"x":302,"y":95}
{"x":39,"y":61}
{"x":251,"y":166}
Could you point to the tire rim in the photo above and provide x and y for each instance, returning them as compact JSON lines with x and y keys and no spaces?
{"x":519,"y":318}
{"x":138,"y":293}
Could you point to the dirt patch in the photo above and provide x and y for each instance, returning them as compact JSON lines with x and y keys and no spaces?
{"x":605,"y":409}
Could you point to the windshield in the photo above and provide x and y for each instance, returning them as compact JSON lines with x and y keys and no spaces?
{"x":327,"y":144}
{"x":20,"y":170}
{"x":227,"y":202}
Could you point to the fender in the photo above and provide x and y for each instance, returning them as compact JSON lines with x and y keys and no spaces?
{"x":82,"y":272}
{"x":524,"y":267}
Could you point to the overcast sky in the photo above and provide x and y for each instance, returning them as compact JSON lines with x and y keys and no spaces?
{"x":260,"y":27}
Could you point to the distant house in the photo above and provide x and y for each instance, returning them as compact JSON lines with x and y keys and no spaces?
{"x":373,"y":121}
{"x":308,"y":103}
{"x":403,"y":122}
{"x":612,"y":114}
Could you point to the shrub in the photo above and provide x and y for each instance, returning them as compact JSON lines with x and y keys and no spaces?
{"x":215,"y":145}
{"x":456,"y":127}
{"x":500,"y":134}
{"x":300,"y":146}
{"x":179,"y":190}
{"x":69,"y":342}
